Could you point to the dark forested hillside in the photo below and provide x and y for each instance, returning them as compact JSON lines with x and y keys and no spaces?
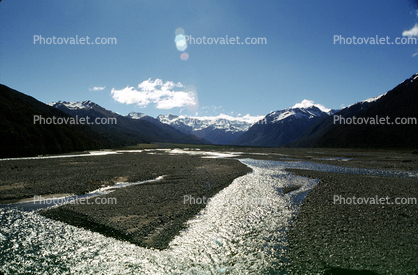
{"x":19,"y":136}
{"x":401,"y":102}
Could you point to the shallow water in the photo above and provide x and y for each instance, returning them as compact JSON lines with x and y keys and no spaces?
{"x":242,"y":230}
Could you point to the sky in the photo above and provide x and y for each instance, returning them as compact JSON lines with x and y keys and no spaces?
{"x":150,"y":59}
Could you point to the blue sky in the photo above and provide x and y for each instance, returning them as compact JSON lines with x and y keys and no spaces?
{"x":143,"y":72}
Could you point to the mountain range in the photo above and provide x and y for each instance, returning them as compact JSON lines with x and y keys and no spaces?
{"x":275,"y":129}
{"x":303,"y":125}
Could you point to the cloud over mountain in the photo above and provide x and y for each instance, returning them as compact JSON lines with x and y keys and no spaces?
{"x":165,"y":95}
{"x":306,"y":103}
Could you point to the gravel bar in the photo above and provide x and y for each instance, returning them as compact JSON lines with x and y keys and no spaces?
{"x":345,"y":238}
{"x":149,"y":215}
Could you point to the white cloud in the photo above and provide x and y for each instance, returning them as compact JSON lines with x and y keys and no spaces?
{"x":309,"y":103}
{"x":166,"y":95}
{"x":95,"y":89}
{"x":411,"y":32}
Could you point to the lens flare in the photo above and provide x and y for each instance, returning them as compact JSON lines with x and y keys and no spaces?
{"x":184,"y":56}
{"x":180,"y":40}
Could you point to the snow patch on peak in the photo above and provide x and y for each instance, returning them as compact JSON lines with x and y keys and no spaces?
{"x":306,"y":103}
{"x":285,"y":114}
{"x":74,"y":105}
{"x":373,"y":99}
{"x":247,"y":119}
{"x":222,"y":121}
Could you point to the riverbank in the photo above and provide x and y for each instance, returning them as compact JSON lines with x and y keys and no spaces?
{"x":330,"y":233}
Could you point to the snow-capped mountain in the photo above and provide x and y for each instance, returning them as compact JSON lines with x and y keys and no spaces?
{"x":132,"y":129}
{"x":75,"y":105}
{"x":221,"y":129}
{"x":78,"y":105}
{"x":305,"y":110}
{"x":284,"y":126}
{"x":226,"y":122}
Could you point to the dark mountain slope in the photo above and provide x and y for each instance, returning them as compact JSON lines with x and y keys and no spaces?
{"x":400,"y":102}
{"x":19,"y":136}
